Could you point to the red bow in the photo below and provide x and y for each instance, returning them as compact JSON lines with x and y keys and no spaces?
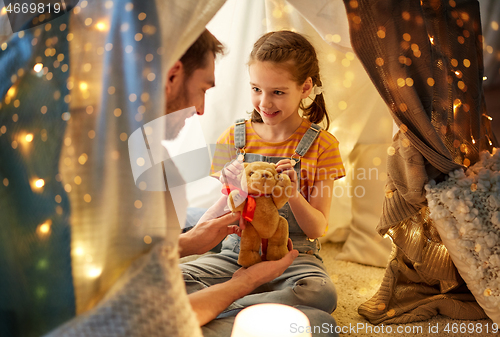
{"x":249,"y":209}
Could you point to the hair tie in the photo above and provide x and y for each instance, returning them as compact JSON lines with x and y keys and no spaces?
{"x":315,"y":91}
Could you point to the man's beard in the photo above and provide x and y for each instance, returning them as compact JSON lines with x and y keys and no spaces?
{"x":176,"y":112}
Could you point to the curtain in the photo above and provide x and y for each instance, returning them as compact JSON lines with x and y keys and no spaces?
{"x":36,"y":285}
{"x":425,"y":58}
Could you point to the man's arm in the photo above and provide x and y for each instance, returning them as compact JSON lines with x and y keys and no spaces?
{"x":210,"y":302}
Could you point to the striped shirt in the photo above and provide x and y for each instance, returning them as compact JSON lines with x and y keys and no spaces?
{"x":321,"y":162}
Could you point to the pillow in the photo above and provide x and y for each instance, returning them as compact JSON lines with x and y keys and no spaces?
{"x":466,"y":212}
{"x":366,"y":179}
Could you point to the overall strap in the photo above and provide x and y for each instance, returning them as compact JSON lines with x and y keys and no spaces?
{"x":240,"y":134}
{"x":307,"y":140}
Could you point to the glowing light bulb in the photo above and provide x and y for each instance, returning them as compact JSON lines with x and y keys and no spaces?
{"x":39,"y":183}
{"x":4,"y":11}
{"x":44,"y":229}
{"x":485,"y":78}
{"x":11,"y":92}
{"x":29,"y":137}
{"x":101,"y":26}
{"x":38,"y":67}
{"x":431,"y":38}
{"x":94,"y":272}
{"x":83,"y":86}
{"x":79,"y":251}
{"x":456,"y":105}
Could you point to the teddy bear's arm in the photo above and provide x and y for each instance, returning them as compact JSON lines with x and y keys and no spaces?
{"x":235,"y":201}
{"x":281,"y":192}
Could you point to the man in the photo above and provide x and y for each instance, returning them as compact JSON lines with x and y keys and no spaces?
{"x":150,"y":298}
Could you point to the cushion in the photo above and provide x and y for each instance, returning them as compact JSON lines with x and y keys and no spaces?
{"x":366,"y":178}
{"x":466,"y":211}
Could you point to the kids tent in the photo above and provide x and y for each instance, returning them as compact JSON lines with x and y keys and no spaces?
{"x":76,"y":86}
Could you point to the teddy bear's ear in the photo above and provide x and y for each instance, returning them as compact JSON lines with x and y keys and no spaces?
{"x":245,"y":165}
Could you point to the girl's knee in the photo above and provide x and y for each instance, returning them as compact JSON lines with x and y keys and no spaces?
{"x":318,"y":292}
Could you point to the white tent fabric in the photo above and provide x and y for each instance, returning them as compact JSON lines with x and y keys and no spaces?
{"x":119,"y":60}
{"x":490,"y":21}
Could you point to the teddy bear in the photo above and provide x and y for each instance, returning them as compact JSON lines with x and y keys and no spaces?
{"x":265,"y":193}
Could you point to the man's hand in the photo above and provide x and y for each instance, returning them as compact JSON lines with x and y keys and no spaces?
{"x":263,"y":272}
{"x":209,"y":302}
{"x":206,"y":235}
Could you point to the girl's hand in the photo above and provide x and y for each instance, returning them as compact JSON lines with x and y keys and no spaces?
{"x":285,"y":166}
{"x":232,"y":173}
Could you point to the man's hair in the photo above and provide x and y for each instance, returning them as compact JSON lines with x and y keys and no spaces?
{"x":195,"y":56}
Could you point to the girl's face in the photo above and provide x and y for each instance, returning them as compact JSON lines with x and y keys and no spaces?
{"x":275,"y":96}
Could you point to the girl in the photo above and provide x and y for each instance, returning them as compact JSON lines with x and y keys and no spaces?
{"x":284,"y":73}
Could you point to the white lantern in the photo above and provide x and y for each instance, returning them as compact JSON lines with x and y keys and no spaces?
{"x":271,"y":320}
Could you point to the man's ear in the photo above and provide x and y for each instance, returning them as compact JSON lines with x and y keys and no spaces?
{"x":174,"y":77}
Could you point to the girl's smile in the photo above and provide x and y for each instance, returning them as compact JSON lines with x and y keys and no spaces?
{"x":269,"y":114}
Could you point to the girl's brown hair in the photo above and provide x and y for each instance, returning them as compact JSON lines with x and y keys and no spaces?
{"x":297,"y":55}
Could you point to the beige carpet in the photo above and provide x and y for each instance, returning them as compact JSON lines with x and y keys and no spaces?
{"x":356,"y":283}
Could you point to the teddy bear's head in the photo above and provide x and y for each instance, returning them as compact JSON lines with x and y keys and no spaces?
{"x":260,"y":177}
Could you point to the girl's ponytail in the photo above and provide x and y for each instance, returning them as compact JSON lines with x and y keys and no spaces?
{"x":316,"y":111}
